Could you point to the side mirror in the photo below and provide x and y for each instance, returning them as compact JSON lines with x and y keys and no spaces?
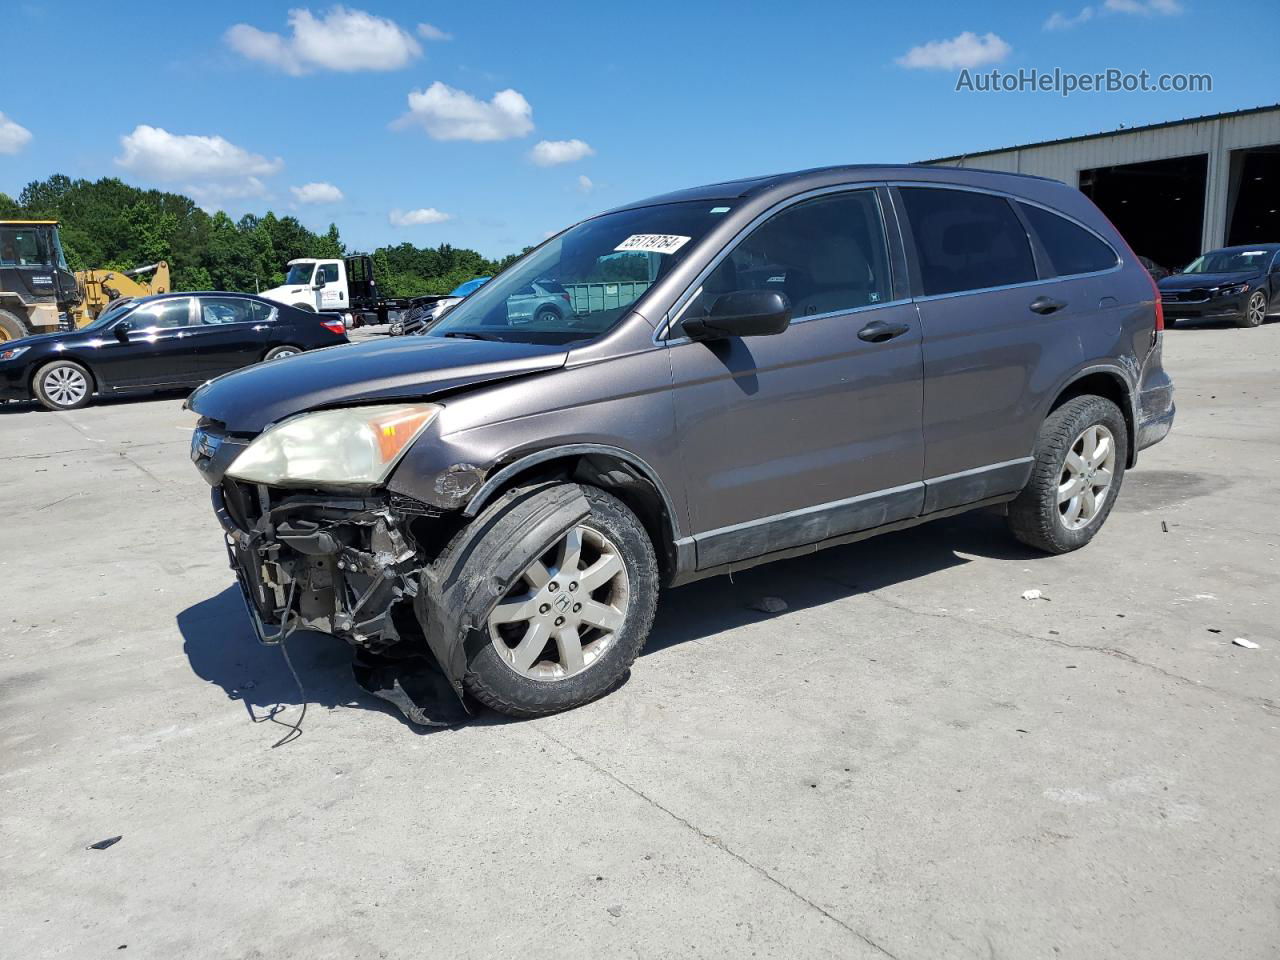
{"x":122,"y":331}
{"x":319,"y":284}
{"x":743,"y":313}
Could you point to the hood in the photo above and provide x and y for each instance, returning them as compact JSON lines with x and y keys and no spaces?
{"x":402,"y":368}
{"x":1192,"y":281}
{"x":278,"y":293}
{"x":39,"y":338}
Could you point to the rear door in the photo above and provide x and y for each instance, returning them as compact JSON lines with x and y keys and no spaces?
{"x":996,"y":336}
{"x":815,"y":432}
{"x":229,"y":335}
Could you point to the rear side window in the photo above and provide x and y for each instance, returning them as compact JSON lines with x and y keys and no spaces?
{"x":827,"y":255}
{"x":1071,"y":248}
{"x":966,"y":240}
{"x":216,"y":311}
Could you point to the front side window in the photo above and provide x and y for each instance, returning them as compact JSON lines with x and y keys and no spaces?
{"x":603,"y":266}
{"x":966,"y":240}
{"x":300,"y":274}
{"x":162,"y":315}
{"x":24,"y":247}
{"x":217,"y":311}
{"x":1071,"y":248}
{"x":329,"y":273}
{"x":827,"y":255}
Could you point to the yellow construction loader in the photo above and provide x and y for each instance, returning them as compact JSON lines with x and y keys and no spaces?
{"x":40,"y":294}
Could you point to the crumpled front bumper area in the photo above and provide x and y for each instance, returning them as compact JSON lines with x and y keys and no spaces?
{"x":345,"y":566}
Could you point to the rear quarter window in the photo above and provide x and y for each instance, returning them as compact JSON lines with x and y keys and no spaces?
{"x":1071,"y":248}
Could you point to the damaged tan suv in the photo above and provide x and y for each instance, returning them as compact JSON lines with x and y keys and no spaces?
{"x":742,"y":372}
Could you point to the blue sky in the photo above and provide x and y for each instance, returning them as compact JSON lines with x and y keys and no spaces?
{"x":662,"y":95}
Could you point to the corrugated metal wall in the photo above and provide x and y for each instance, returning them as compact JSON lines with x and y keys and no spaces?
{"x":1215,"y":136}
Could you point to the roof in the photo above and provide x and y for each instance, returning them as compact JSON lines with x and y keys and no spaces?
{"x":1108,"y":133}
{"x":29,"y":222}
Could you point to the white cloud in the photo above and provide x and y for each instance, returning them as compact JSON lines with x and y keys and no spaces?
{"x":966,"y":50}
{"x":450,"y":114}
{"x":215,"y":196}
{"x":340,"y":39}
{"x":550,"y":153}
{"x":585,"y":184}
{"x":319,"y":192}
{"x":1060,"y":21}
{"x":156,"y":153}
{"x":1146,"y":8}
{"x":428,"y":32}
{"x":417,"y":218}
{"x":13,"y":135}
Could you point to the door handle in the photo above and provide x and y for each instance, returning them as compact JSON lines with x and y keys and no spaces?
{"x":878,"y":331}
{"x":260,"y":326}
{"x":1046,"y":305}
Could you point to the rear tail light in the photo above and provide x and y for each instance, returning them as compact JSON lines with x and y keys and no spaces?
{"x":334,"y":326}
{"x":1155,"y":289}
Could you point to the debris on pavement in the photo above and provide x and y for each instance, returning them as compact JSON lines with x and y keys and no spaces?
{"x":615,"y":910}
{"x":770,"y":605}
{"x":1243,"y":642}
{"x":1033,"y":595}
{"x":1164,"y":525}
{"x":103,"y":844}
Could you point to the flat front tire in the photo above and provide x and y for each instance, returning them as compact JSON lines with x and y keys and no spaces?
{"x":1079,"y":466}
{"x":63,"y":385}
{"x":568,"y":629}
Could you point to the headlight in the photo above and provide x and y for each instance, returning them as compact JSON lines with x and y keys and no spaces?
{"x":13,"y":352}
{"x":1232,"y":290}
{"x":353,"y":445}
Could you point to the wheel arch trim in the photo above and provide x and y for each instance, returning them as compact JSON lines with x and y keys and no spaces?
{"x":495,"y":480}
{"x":1127,"y":386}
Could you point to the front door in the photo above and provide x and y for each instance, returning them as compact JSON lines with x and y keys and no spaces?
{"x":155,"y":349}
{"x":331,"y":296}
{"x":815,"y":432}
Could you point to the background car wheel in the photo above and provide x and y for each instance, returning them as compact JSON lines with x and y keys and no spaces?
{"x":547,"y":315}
{"x":63,"y":385}
{"x":287,"y":350}
{"x":572,"y":623}
{"x":1255,"y":310}
{"x":11,"y":328}
{"x":1079,"y":466}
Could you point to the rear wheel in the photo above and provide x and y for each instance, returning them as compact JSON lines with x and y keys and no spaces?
{"x":547,"y":315}
{"x":570,"y":626}
{"x":1255,"y":310}
{"x":276,"y":353}
{"x":1079,"y":466}
{"x":11,"y":327}
{"x":63,"y":385}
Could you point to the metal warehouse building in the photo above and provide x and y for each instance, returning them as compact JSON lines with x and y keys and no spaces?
{"x":1173,"y":189}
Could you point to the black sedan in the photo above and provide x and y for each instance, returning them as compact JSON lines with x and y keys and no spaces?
{"x":1241,"y":284}
{"x":170,"y":340}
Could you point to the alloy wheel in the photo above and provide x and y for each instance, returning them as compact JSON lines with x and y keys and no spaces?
{"x":565,"y":610}
{"x":1257,"y":309}
{"x":1086,"y":477}
{"x":65,"y":386}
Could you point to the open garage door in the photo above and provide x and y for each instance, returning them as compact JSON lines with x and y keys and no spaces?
{"x":1157,"y":206}
{"x":1253,"y":198}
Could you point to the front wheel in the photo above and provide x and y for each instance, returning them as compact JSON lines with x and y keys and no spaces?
{"x":1079,"y":465}
{"x":63,"y":385}
{"x":1255,"y":310}
{"x":570,"y":626}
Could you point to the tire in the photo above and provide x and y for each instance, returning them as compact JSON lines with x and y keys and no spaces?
{"x":1039,"y":516}
{"x":284,"y":350}
{"x":1255,"y":310}
{"x":547,"y":315}
{"x":63,"y":385}
{"x":490,"y":675}
{"x":11,"y":326}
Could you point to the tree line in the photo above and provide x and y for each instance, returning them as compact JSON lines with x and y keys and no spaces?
{"x":109,"y":224}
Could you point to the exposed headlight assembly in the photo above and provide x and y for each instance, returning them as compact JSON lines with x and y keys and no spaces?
{"x":347,"y":446}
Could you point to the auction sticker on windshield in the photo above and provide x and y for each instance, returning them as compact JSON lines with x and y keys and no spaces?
{"x":653,"y":243}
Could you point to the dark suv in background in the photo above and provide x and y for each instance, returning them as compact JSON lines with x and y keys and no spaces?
{"x":800,"y":361}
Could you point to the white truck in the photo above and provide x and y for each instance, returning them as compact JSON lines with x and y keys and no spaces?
{"x":341,"y":285}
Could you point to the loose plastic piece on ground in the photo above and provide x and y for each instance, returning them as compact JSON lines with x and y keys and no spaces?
{"x":1247,"y":644}
{"x":770,"y":605}
{"x":103,"y":844}
{"x":1033,"y":595}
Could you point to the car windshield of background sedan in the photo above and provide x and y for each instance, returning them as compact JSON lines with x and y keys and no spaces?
{"x":1230,"y":261}
{"x":300,"y":273}
{"x":580,"y":283}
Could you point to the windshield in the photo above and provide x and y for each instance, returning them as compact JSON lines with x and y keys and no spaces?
{"x":579,"y":284}
{"x":1231,"y":261}
{"x":300,"y":273}
{"x":111,"y":315}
